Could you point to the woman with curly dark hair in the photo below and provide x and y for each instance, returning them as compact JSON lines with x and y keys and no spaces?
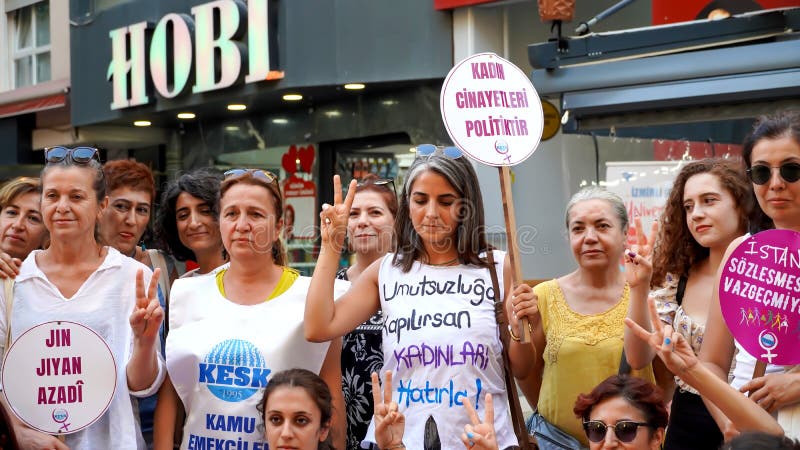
{"x":623,"y":405}
{"x":706,"y":210}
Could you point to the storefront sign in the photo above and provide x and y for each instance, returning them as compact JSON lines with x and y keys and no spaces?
{"x":59,"y":377}
{"x":759,"y":292}
{"x":299,"y":219}
{"x":216,"y":54}
{"x":491,"y":110}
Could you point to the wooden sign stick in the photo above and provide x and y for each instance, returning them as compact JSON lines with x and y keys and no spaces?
{"x":511,"y":236}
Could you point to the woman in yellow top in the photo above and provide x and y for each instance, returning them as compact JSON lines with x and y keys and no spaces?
{"x":230,"y":332}
{"x":577,"y":319}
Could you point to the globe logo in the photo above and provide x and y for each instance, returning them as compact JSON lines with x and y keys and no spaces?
{"x":60,"y":415}
{"x":234,"y":370}
{"x":501,"y":146}
{"x":768,"y":340}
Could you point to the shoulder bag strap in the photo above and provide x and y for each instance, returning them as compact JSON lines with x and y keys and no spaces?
{"x":518,"y":421}
{"x":163,"y":279}
{"x":8,"y":284}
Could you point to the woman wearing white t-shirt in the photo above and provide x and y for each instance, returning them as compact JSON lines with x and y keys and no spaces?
{"x":77,"y":279}
{"x":231,"y":331}
{"x":440,"y":335}
{"x":771,"y":153}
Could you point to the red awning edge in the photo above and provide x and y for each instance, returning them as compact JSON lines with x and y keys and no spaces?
{"x":33,"y":105}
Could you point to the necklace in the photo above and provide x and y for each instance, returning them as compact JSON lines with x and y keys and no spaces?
{"x":446,"y":263}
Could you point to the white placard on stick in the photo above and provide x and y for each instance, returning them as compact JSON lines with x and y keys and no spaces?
{"x":491,"y":110}
{"x":59,"y":377}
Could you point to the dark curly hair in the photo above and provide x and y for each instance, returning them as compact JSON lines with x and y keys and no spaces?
{"x":641,"y":394}
{"x":200,"y":183}
{"x":316,"y":389}
{"x":783,"y":124}
{"x":675,"y":248}
{"x":756,"y":440}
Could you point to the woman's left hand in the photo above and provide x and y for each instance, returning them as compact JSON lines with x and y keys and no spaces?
{"x":390,"y":423}
{"x":479,"y":435}
{"x":638,"y":258}
{"x":774,"y":391}
{"x":147,"y":314}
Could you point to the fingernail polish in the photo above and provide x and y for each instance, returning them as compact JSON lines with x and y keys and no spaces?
{"x":470,"y":435}
{"x":632,"y":254}
{"x":667,"y":341}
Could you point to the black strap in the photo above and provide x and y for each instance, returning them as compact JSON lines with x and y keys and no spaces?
{"x":518,"y":421}
{"x":624,"y":367}
{"x":681,"y":288}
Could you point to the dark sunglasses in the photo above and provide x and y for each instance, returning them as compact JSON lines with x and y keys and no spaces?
{"x":78,"y":155}
{"x":378,"y":182}
{"x":624,"y":429}
{"x":761,"y":173}
{"x":430,"y":149}
{"x":265,"y":175}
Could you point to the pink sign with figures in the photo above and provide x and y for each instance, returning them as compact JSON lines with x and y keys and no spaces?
{"x":759,"y":292}
{"x":59,"y":377}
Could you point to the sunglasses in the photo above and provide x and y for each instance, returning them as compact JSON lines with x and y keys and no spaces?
{"x":378,"y":182}
{"x":430,"y":149}
{"x":625,"y":430}
{"x":265,"y":175}
{"x":78,"y":155}
{"x":761,"y":174}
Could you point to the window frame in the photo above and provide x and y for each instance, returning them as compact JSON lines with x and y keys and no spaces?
{"x":17,"y":54}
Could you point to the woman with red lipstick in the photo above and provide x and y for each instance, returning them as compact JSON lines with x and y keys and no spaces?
{"x":708,"y":207}
{"x":21,"y":227}
{"x":231,"y":331}
{"x":440,"y":336}
{"x":771,"y":154}
{"x":370,"y":229}
{"x":577,"y":319}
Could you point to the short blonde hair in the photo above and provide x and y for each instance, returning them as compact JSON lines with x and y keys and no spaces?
{"x":18,"y":186}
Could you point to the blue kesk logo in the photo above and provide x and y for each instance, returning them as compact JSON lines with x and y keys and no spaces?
{"x":501,"y":146}
{"x":234,"y":370}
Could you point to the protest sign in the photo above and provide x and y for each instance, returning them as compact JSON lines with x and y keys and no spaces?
{"x":59,"y":377}
{"x":759,"y":293}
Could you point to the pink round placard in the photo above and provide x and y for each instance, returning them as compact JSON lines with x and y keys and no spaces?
{"x":759,"y":292}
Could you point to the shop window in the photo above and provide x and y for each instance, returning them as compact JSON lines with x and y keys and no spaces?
{"x":30,"y":44}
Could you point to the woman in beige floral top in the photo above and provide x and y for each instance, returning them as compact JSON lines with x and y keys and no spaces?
{"x":707,"y":208}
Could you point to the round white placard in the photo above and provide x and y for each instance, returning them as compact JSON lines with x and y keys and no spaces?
{"x":59,"y":377}
{"x":491,"y":110}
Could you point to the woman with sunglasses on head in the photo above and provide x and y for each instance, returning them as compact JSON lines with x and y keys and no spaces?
{"x":231,"y":331}
{"x":21,"y":228}
{"x":623,"y":412}
{"x":577,"y":319}
{"x":708,"y":207}
{"x":78,"y":279}
{"x":771,"y":154}
{"x":370,"y":231}
{"x":440,"y":336}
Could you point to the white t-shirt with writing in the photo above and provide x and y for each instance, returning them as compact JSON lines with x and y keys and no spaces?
{"x":221,"y":355}
{"x":103,"y":303}
{"x":442,"y":344}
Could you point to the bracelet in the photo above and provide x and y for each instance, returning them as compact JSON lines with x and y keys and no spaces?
{"x":400,"y":445}
{"x":513,"y":336}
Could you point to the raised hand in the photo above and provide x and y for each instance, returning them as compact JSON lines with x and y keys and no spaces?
{"x":479,"y":435}
{"x":390,"y":424}
{"x":638,"y":258}
{"x":9,"y":267}
{"x":333,"y":218}
{"x":147,"y":314}
{"x":668,"y":344}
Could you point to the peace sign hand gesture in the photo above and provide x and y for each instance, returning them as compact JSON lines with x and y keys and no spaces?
{"x":480,"y":435}
{"x":333,"y":218}
{"x":390,"y":424}
{"x":147,"y":314}
{"x":668,"y":344}
{"x":638,"y":258}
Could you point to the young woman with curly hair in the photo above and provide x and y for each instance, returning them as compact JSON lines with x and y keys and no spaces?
{"x":706,"y":210}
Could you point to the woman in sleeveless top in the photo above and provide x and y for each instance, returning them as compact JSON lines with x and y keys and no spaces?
{"x":577,"y":319}
{"x":707,"y":208}
{"x":771,"y":153}
{"x":440,"y":336}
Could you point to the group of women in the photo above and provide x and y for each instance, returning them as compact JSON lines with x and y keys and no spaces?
{"x":419,"y":302}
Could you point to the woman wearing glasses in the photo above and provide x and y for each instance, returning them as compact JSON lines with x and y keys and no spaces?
{"x":370,"y":228}
{"x":78,"y":279}
{"x":772,"y":157}
{"x":623,"y":412}
{"x":708,"y":207}
{"x":440,"y":337}
{"x":230,"y":332}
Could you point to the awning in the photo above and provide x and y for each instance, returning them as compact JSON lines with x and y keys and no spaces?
{"x":33,"y":105}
